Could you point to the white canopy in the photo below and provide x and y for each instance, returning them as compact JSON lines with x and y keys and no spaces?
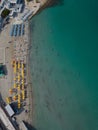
{"x":13,"y":1}
{"x":9,"y":110}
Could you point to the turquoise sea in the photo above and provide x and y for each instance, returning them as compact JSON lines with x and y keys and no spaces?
{"x":64,"y":66}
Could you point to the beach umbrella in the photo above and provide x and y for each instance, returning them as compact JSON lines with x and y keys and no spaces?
{"x":22,"y":66}
{"x":10,"y":91}
{"x":13,"y":62}
{"x":19,"y":101}
{"x":19,"y":105}
{"x":14,"y":78}
{"x":19,"y":87}
{"x":18,"y":65}
{"x":15,"y":98}
{"x":23,"y":94}
{"x":22,"y":72}
{"x":14,"y":85}
{"x":19,"y":96}
{"x":7,"y":100}
{"x":15,"y":67}
{"x":18,"y":77}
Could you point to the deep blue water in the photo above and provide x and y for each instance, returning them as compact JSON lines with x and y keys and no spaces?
{"x":64,"y":66}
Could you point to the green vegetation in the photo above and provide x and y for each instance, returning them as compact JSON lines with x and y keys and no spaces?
{"x":5,"y":13}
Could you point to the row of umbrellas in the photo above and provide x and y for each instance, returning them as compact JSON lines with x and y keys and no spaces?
{"x":20,"y":97}
{"x":18,"y":86}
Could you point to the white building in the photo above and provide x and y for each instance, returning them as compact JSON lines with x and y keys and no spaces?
{"x":2,"y":4}
{"x":13,"y":1}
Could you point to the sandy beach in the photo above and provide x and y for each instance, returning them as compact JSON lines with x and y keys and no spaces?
{"x":16,"y":48}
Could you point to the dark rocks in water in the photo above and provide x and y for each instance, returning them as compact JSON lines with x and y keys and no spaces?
{"x":56,"y":2}
{"x":53,"y":3}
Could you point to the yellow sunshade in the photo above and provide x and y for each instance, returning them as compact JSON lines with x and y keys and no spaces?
{"x":18,"y":87}
{"x":8,"y":100}
{"x":15,"y":98}
{"x":19,"y":105}
{"x":10,"y":91}
{"x":15,"y":78}
{"x":14,"y":85}
{"x":13,"y":62}
{"x":18,"y":77}
{"x":19,"y":96}
{"x":22,"y":73}
{"x":18,"y":65}
{"x":23,"y":94}
{"x":22,"y":65}
{"x":15,"y":67}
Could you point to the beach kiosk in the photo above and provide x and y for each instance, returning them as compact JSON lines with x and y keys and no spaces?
{"x":9,"y":110}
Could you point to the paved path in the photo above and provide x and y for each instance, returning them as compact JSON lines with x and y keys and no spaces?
{"x":6,"y":120}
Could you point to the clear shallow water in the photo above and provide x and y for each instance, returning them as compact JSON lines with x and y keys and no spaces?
{"x":64,"y":66}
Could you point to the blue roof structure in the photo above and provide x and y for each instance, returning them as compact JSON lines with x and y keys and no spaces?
{"x":17,"y":30}
{"x":11,"y":31}
{"x":19,"y":1}
{"x":22,"y":29}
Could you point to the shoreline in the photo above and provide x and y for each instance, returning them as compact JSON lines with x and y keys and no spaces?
{"x":12,"y":52}
{"x":16,"y":48}
{"x":30,"y":87}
